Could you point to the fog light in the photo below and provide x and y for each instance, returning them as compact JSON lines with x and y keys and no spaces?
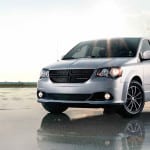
{"x":107,"y":96}
{"x":40,"y":94}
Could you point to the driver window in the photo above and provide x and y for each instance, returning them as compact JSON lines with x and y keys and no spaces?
{"x":81,"y":52}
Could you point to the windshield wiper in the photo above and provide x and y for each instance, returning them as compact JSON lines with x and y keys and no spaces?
{"x":66,"y":58}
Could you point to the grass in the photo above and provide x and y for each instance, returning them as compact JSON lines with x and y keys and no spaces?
{"x":18,"y":84}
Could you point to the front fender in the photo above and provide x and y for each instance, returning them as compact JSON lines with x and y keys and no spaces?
{"x":127,"y":81}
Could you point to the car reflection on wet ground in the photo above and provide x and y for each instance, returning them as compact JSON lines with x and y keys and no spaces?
{"x":25,"y":125}
{"x":95,"y":132}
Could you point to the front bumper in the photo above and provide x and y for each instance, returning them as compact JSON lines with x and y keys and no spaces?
{"x":96,"y":85}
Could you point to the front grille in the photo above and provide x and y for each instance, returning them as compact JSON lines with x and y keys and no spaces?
{"x":70,"y":76}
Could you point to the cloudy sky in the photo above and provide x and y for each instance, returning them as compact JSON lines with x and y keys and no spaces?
{"x":35,"y":33}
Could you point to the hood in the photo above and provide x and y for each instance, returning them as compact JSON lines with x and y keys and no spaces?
{"x":91,"y":63}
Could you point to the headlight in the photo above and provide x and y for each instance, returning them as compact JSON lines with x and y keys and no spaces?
{"x":109,"y":72}
{"x":44,"y":73}
{"x":115,"y":72}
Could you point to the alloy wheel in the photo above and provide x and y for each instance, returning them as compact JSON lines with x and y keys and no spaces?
{"x":135,"y":98}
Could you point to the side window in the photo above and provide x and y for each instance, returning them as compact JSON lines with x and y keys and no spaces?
{"x":145,"y":46}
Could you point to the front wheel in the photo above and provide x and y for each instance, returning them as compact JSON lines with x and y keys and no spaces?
{"x":54,"y":108}
{"x":135,"y":100}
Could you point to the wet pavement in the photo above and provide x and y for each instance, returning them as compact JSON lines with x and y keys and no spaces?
{"x":25,"y":125}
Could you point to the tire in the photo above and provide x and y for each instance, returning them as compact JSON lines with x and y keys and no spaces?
{"x":134,"y":102}
{"x":54,"y":108}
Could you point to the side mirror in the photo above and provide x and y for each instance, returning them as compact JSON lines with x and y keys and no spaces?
{"x":146,"y":55}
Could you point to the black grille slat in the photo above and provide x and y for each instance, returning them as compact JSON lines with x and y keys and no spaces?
{"x":78,"y":79}
{"x":70,"y":76}
{"x":59,"y":79}
{"x":59,"y":72}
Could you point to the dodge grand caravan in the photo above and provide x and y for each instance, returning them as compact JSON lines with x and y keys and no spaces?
{"x":107,"y":73}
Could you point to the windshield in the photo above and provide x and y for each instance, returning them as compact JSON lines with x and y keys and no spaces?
{"x":125,"y":47}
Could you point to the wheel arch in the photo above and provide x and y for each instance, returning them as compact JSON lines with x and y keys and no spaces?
{"x":129,"y":79}
{"x":137,"y":78}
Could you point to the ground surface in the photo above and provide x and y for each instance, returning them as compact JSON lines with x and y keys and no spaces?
{"x":25,"y":125}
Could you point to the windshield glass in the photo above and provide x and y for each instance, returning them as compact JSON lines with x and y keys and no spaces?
{"x":125,"y":47}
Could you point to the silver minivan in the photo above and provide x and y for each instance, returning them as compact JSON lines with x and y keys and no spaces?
{"x":113,"y":74}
